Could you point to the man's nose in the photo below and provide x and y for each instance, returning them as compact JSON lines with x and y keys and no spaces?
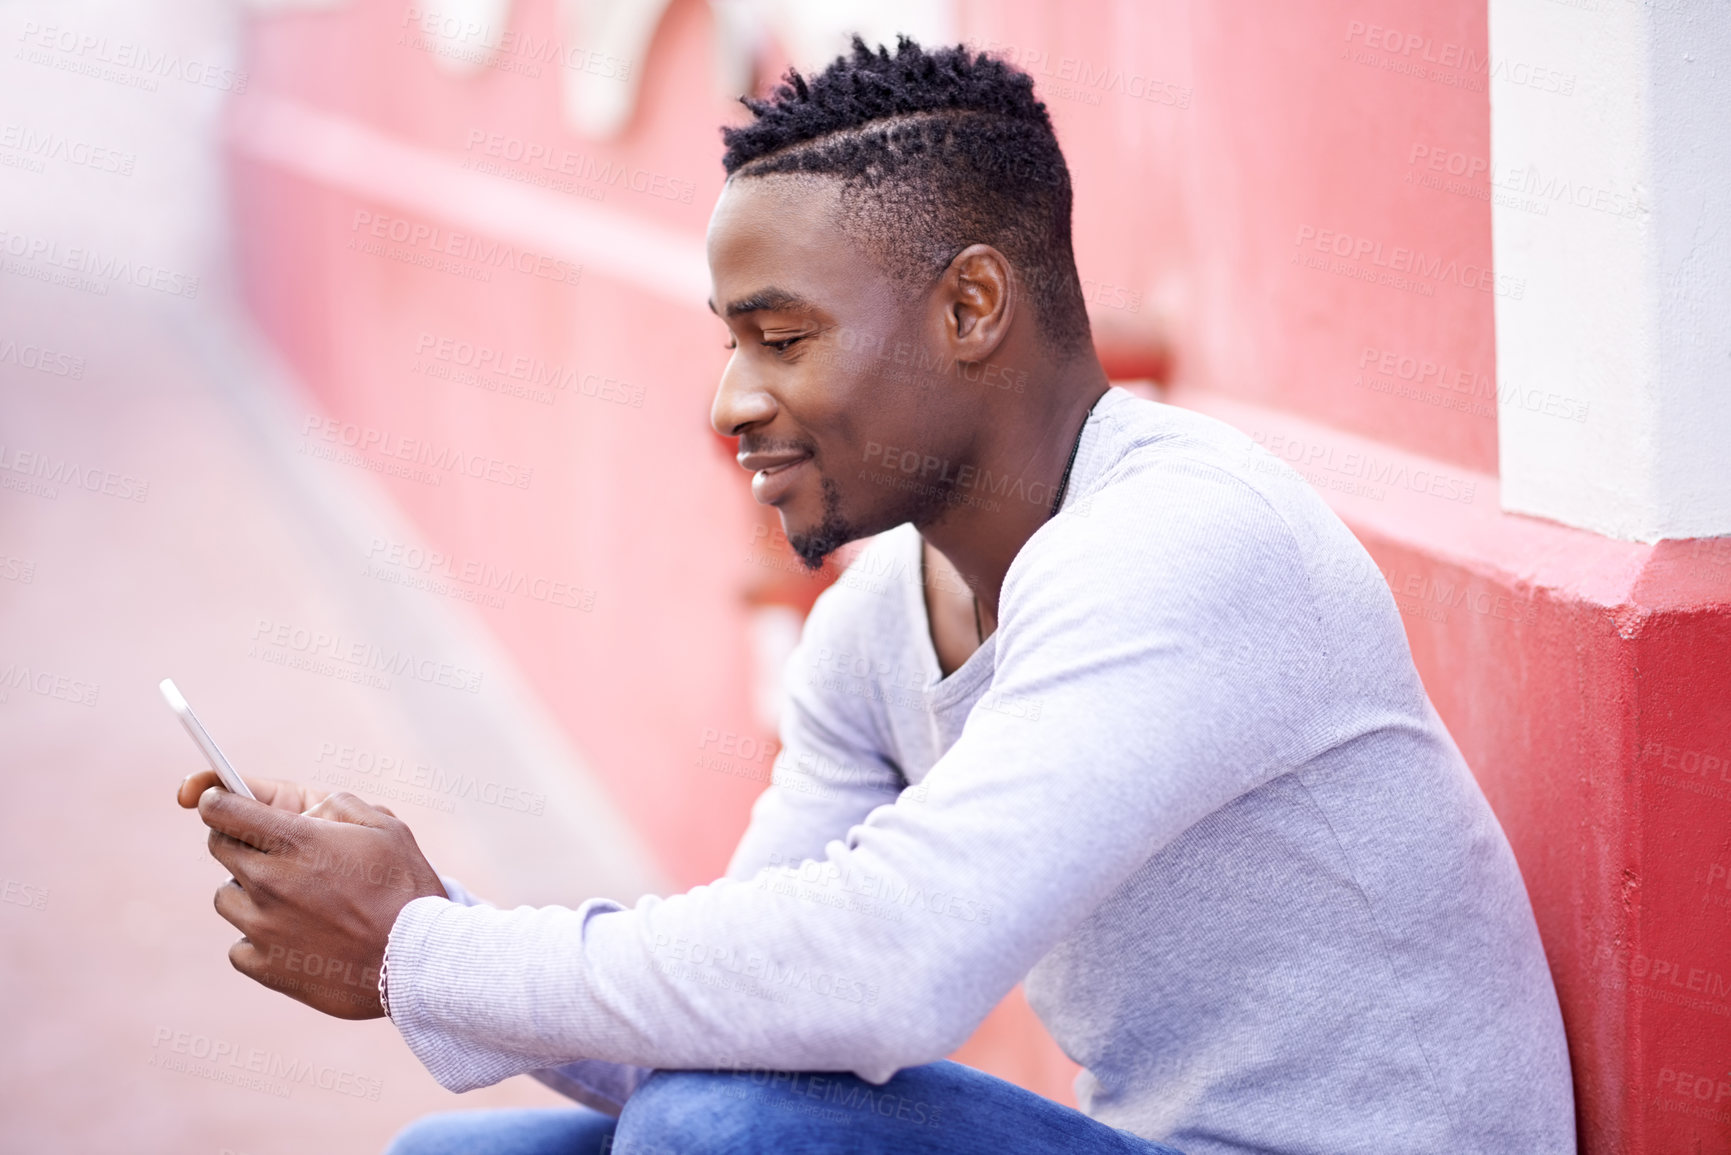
{"x":740,"y":401}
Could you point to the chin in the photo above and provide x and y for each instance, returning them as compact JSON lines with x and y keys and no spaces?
{"x":814,"y":538}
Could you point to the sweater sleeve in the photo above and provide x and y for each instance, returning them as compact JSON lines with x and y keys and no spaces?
{"x":1134,"y":693}
{"x":832,"y":769}
{"x":603,"y":1086}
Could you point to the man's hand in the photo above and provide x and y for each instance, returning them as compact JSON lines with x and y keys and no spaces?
{"x":318,"y":881}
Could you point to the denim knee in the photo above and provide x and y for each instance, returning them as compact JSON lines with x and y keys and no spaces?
{"x":506,"y":1131}
{"x":428,"y":1135}
{"x":690,"y":1113}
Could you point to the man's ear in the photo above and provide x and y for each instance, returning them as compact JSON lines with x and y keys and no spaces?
{"x":979,"y":297}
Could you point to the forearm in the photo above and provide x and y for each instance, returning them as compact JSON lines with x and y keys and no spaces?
{"x":481,"y":994}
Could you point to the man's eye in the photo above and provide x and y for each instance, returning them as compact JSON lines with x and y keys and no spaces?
{"x":782,"y":346}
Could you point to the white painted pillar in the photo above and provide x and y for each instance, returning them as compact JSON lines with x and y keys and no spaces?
{"x":1611,"y":187}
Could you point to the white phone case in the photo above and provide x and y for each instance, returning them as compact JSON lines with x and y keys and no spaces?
{"x":230,"y":779}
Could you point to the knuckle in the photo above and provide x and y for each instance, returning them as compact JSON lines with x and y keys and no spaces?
{"x":278,"y":834}
{"x":263,"y":885}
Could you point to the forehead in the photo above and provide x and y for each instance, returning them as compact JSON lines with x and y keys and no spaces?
{"x":784,"y":231}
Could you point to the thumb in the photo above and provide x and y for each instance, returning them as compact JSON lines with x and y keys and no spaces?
{"x":345,"y":807}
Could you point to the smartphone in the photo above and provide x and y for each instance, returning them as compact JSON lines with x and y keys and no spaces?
{"x":224,"y":771}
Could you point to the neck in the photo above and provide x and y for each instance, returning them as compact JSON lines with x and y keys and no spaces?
{"x":1031,"y":452}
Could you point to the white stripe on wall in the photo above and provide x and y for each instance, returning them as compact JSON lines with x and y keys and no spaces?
{"x":345,"y":154}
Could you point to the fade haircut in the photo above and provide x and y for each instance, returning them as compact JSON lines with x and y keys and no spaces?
{"x":936,"y":151}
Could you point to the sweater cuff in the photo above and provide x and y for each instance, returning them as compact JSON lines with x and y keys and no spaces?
{"x":457,"y":1063}
{"x":595,"y":1083}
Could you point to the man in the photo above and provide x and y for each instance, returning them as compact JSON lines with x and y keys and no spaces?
{"x":1117,"y":708}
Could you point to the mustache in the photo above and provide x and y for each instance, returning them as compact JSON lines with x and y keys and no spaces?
{"x":750,"y":444}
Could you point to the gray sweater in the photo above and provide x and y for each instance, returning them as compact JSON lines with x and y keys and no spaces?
{"x":1191,"y":793}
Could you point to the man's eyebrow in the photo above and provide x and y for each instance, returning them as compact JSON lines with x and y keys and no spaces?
{"x":767,"y":300}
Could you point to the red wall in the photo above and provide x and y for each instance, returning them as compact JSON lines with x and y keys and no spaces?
{"x":632,"y":503}
{"x":1201,"y":208}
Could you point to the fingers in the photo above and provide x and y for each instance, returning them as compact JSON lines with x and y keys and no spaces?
{"x":254,"y":823}
{"x":270,"y":791}
{"x":235,"y":906}
{"x":239,"y":859}
{"x":193,"y":785}
{"x":246,"y":958}
{"x":345,"y":807}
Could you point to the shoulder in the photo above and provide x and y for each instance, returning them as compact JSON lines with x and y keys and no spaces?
{"x":1183,"y":512}
{"x":1190,"y":489}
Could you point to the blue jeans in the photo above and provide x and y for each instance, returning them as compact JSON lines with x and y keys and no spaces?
{"x":938,"y":1108}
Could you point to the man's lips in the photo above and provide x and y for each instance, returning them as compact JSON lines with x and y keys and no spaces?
{"x":759,"y":462}
{"x":773,"y":473}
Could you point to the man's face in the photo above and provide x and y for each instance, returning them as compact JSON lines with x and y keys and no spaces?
{"x":835,"y":370}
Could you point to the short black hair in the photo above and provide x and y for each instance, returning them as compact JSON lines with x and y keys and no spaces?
{"x":937,"y":151}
